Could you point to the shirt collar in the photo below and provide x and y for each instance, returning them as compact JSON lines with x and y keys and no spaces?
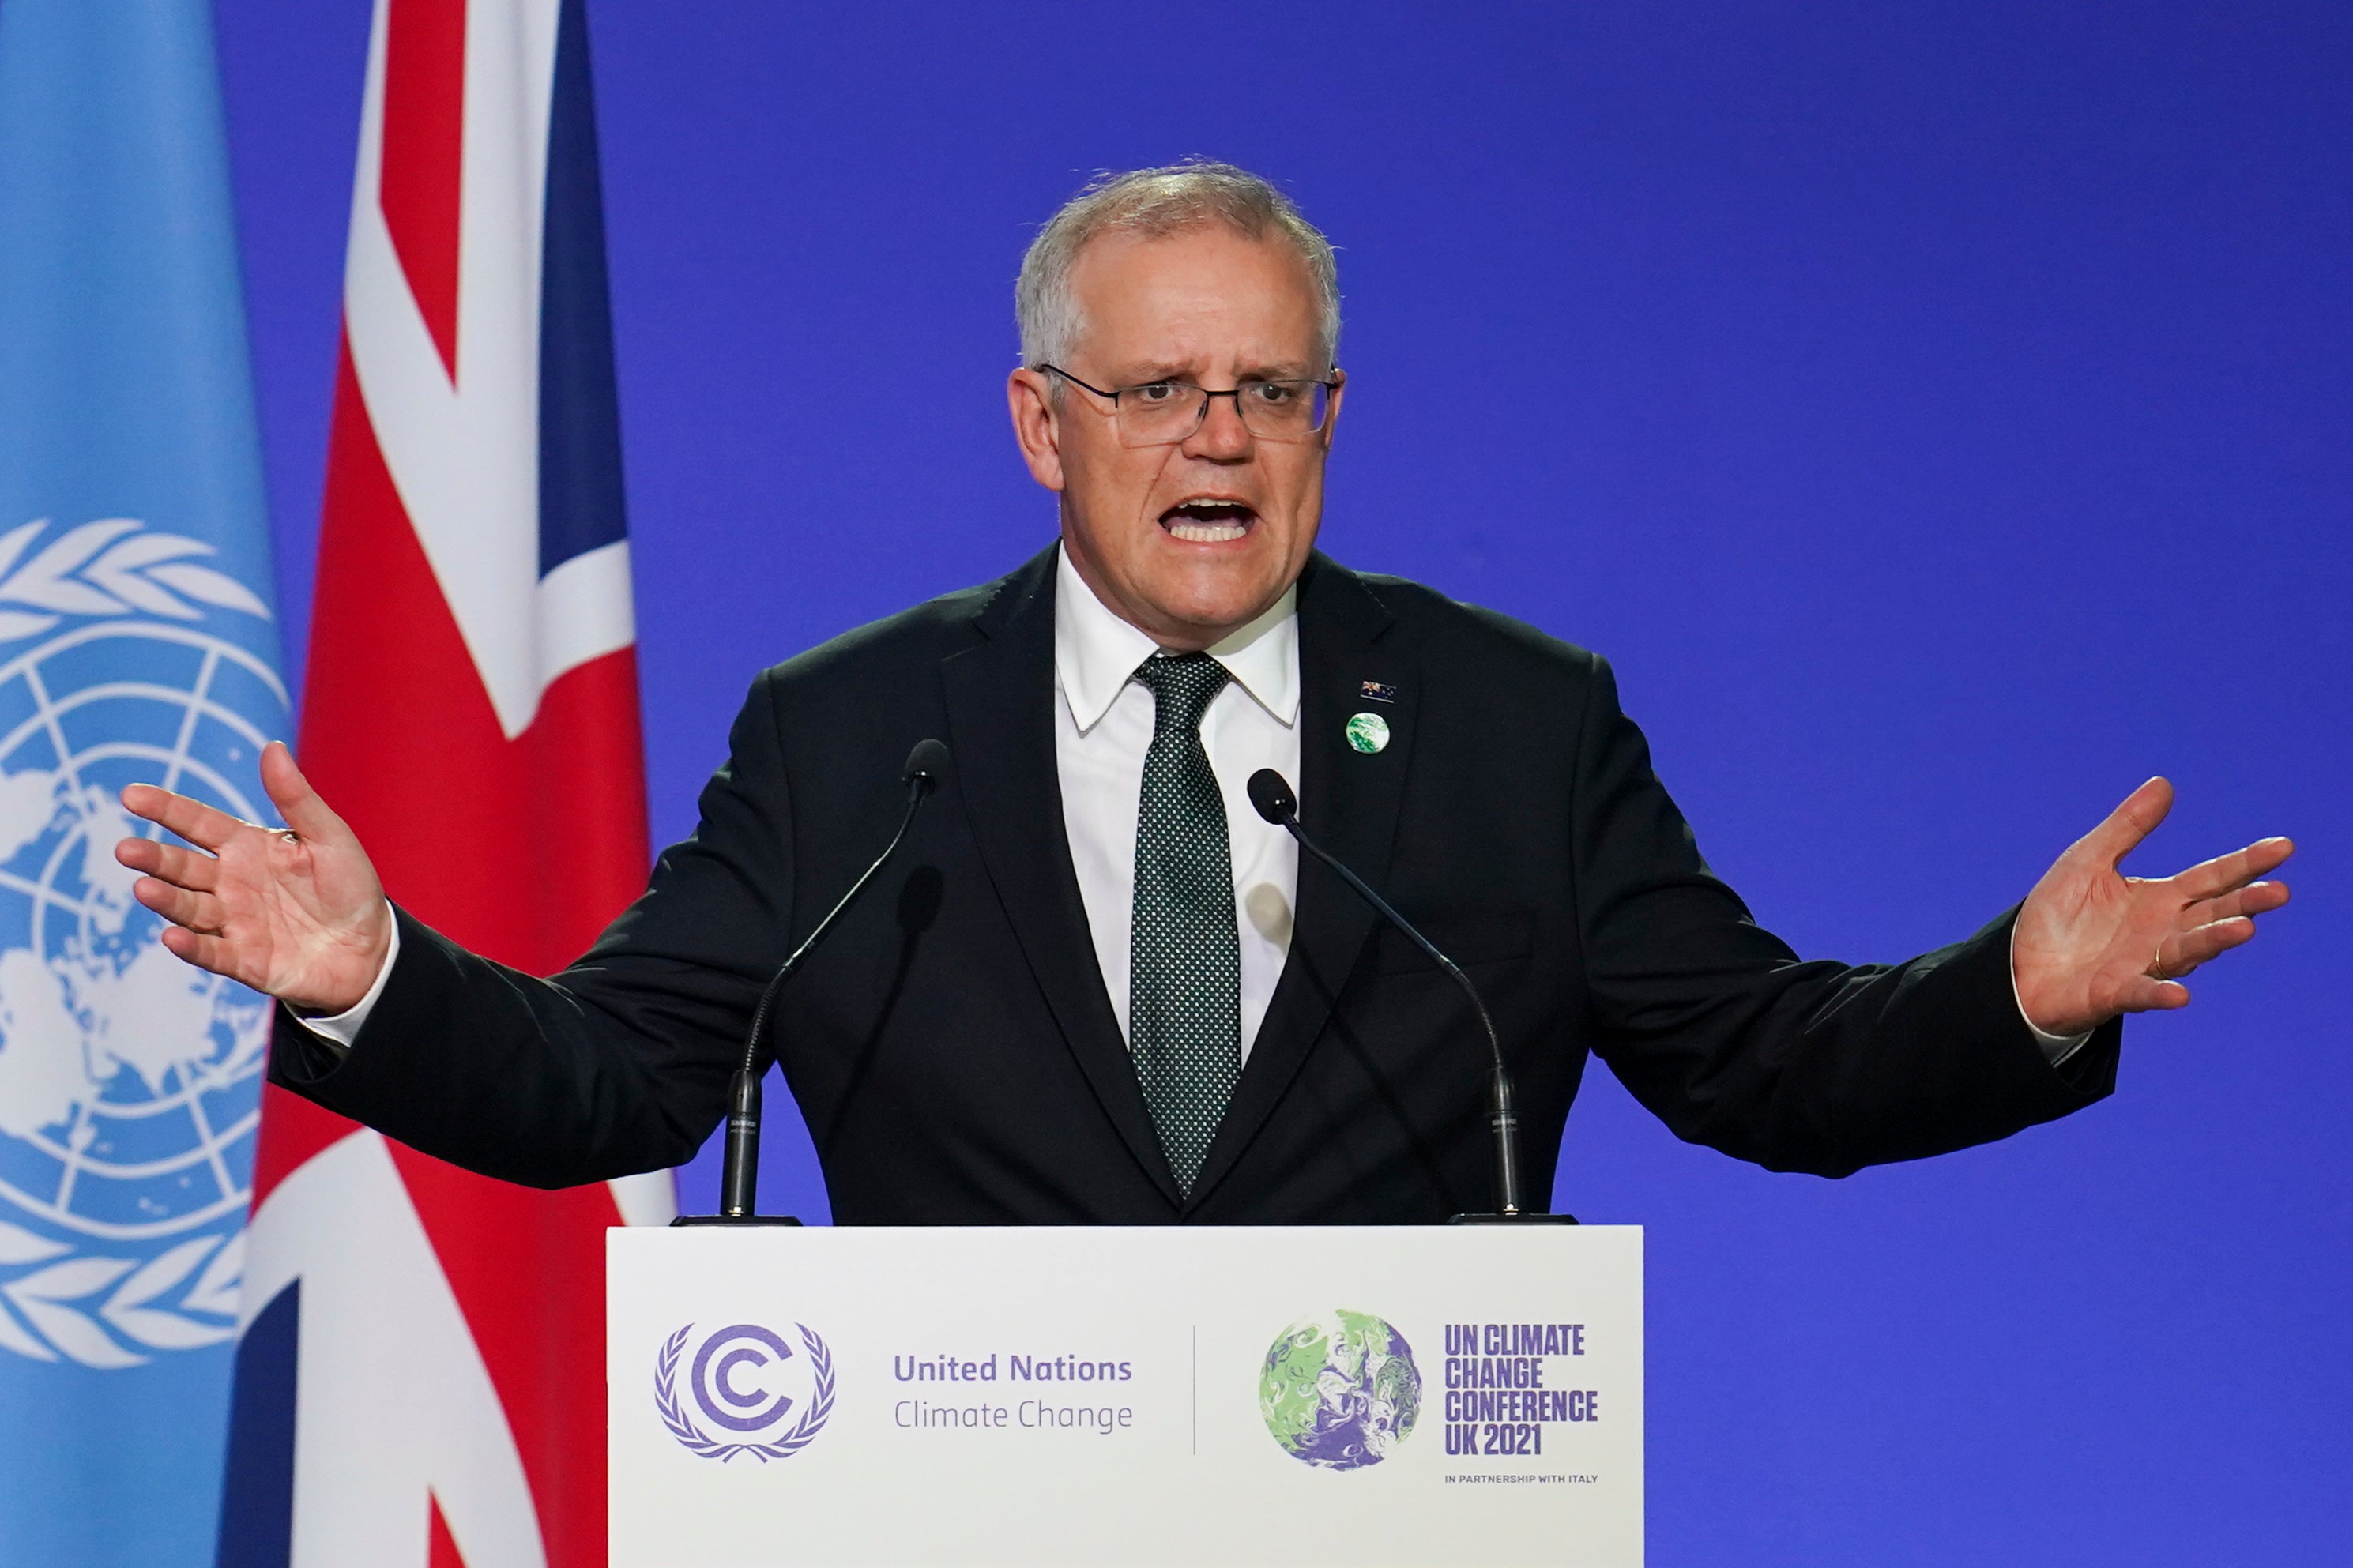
{"x":1096,"y":652}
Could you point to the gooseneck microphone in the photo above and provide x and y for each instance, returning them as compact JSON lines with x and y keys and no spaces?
{"x":1271,"y":795}
{"x":739,"y":1170}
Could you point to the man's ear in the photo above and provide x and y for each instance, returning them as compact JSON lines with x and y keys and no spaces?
{"x":1332,"y":414}
{"x":1029,"y":395}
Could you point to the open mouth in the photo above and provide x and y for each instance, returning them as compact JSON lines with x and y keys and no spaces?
{"x":1207,"y":520}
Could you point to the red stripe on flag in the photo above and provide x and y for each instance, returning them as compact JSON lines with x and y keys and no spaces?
{"x":292,"y":1130}
{"x":521,"y":849}
{"x":441,"y":1548}
{"x":528,"y":1270}
{"x":424,"y":155}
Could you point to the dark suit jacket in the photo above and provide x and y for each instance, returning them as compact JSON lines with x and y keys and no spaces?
{"x":956,"y":1053}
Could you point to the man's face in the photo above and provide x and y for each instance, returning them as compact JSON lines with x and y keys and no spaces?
{"x":1191,"y":540}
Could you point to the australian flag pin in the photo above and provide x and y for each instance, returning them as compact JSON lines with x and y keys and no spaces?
{"x":1377,"y":691}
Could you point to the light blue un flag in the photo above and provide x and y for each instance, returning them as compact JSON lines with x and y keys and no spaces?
{"x":136,"y":643}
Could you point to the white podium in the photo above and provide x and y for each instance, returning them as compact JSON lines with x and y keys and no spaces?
{"x":1439,"y":1395}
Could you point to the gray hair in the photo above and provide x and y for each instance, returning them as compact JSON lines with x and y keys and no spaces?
{"x":1154,"y":203}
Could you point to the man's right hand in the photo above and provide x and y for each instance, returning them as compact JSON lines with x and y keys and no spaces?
{"x":295,"y":913}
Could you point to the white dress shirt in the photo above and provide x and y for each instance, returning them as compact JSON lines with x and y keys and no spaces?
{"x":1103,"y":727}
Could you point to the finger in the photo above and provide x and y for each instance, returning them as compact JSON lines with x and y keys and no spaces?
{"x":192,"y":819}
{"x":2181,"y":954}
{"x":202,"y":951}
{"x":2146,"y":994}
{"x":2133,"y":820}
{"x":183,"y":868}
{"x":296,"y":800}
{"x":2225,"y":872}
{"x":2254,"y":899}
{"x":197,"y":911}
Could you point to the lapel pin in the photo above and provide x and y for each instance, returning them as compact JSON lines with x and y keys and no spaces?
{"x":1368,"y":732}
{"x":1377,"y":691}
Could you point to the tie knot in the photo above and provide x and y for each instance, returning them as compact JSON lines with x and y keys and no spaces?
{"x":1182,"y":685}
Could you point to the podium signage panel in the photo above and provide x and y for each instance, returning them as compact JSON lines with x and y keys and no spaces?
{"x":1301,"y":1396}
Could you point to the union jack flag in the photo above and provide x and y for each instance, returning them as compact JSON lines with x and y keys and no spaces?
{"x":419,"y":1381}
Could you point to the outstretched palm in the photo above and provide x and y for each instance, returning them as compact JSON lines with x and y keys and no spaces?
{"x":297,"y":913}
{"x":2093,"y":942}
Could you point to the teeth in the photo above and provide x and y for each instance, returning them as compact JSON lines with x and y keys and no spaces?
{"x":1206,"y":532}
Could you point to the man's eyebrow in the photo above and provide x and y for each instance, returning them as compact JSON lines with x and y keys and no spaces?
{"x":1151,"y":373}
{"x":1145,"y":375}
{"x":1281,"y":370}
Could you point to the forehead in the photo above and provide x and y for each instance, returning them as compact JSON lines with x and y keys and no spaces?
{"x":1200,"y":296}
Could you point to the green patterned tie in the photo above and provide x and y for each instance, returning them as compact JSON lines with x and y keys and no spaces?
{"x":1184,"y":988}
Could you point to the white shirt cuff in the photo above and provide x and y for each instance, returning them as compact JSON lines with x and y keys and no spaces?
{"x":2056,"y":1048}
{"x":344,"y":1027}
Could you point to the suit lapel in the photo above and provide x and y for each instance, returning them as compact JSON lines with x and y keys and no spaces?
{"x":1349,"y":802}
{"x":1000,"y":699}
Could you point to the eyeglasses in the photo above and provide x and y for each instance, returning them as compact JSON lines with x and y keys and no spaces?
{"x":1162,"y":413}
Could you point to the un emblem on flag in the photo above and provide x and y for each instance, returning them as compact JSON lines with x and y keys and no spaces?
{"x":129,"y":1081}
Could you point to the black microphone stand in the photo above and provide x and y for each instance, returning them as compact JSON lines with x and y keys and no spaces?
{"x":739,"y":1169}
{"x":1271,"y":795}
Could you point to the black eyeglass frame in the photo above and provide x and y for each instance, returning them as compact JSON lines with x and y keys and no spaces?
{"x":1331,"y":390}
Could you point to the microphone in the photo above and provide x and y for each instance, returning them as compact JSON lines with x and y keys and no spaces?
{"x":739,"y":1170}
{"x":1271,"y":795}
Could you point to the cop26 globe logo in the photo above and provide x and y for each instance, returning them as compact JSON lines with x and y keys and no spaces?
{"x":129,"y":1082}
{"x":747,"y":1391}
{"x":1340,"y":1391}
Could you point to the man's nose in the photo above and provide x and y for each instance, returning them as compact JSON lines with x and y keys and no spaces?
{"x":1221,"y":435}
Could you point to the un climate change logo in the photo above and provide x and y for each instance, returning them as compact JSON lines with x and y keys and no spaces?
{"x":128,"y":1081}
{"x":736,"y":1382}
{"x":1340,"y":1391}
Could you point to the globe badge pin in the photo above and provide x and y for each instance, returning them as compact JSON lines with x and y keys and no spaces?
{"x":1340,"y":1391}
{"x":731,"y":1385}
{"x":1368,"y":732}
{"x":129,"y":1082}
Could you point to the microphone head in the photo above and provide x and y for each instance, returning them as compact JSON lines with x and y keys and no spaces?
{"x":1271,"y":795}
{"x":927,"y":766}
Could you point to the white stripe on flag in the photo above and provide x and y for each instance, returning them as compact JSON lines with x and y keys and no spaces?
{"x":648,"y":1199}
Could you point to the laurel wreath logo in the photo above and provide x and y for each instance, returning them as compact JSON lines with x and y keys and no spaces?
{"x":58,"y":1303}
{"x":111,"y":567}
{"x":48,"y":1324}
{"x":680,"y":1427}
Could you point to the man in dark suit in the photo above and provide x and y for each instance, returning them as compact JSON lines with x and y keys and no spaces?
{"x":1095,"y":987}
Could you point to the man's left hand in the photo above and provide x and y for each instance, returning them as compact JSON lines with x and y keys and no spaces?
{"x":2093,"y":942}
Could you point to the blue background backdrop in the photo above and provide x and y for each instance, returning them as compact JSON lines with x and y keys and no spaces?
{"x":1939,"y":413}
